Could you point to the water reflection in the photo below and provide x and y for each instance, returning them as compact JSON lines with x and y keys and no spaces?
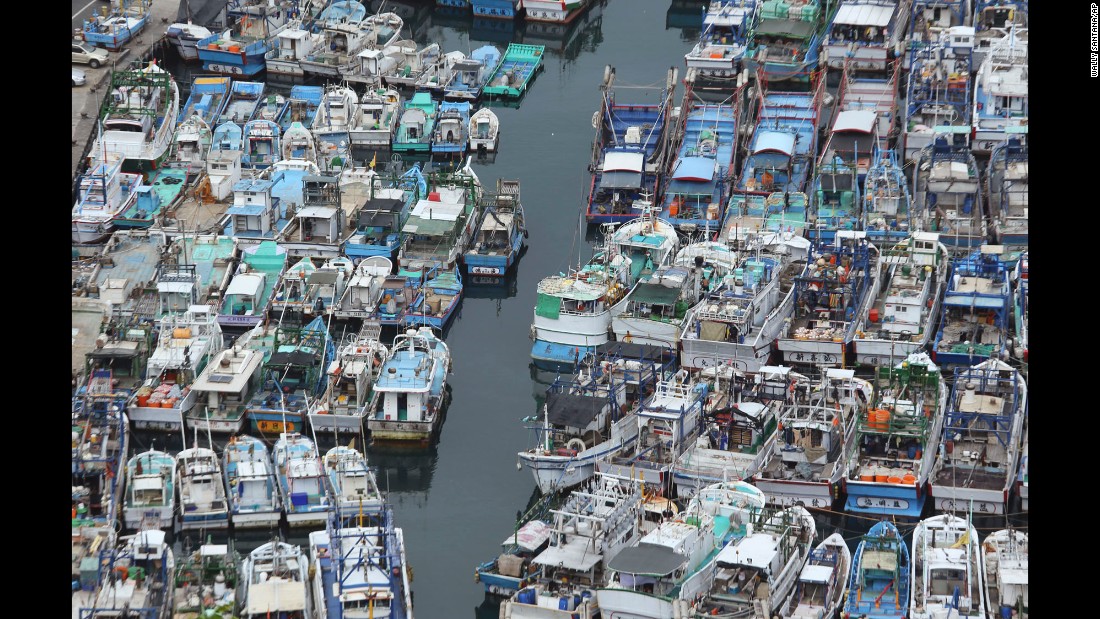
{"x":687,"y":15}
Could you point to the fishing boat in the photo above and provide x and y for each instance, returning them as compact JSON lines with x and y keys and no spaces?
{"x":947,"y":190}
{"x":975,"y":322}
{"x":947,"y":575}
{"x":589,"y":417}
{"x":783,"y":143}
{"x":694,"y":196}
{"x":839,"y":281}
{"x":900,"y":320}
{"x":244,"y":304}
{"x":572,"y":315}
{"x":718,"y":54}
{"x":362,"y":297}
{"x":519,"y":64}
{"x":138,"y":119}
{"x":930,"y":19}
{"x":302,"y":480}
{"x":760,"y":572}
{"x":378,"y":117}
{"x":669,"y":567}
{"x":350,"y":383}
{"x":418,"y":118}
{"x":512,"y":569}
{"x":866,"y":34}
{"x":295,"y":296}
{"x":1020,"y":307}
{"x":409,"y":398}
{"x":1001,"y":92}
{"x":337,"y":113}
{"x":484,"y":131}
{"x":401,"y":64}
{"x":135,"y":580}
{"x":816,"y":435}
{"x":302,"y":105}
{"x":192,"y":141}
{"x":784,"y":41}
{"x":228,"y":136}
{"x":836,"y":198}
{"x":342,"y":43}
{"x":887,"y":471}
{"x":100,"y":440}
{"x":992,"y":20}
{"x":150,"y":491}
{"x":105,"y":192}
{"x":441,"y":225}
{"x":887,"y":213}
{"x":501,"y":233}
{"x":449,"y":136}
{"x":870,"y":92}
{"x":1004,"y":554}
{"x":593,"y":526}
{"x":273,"y":107}
{"x":879,"y":584}
{"x":261,"y":144}
{"x":186,"y":345}
{"x":649,"y":241}
{"x":185,"y":38}
{"x":1007,"y":180}
{"x":254,"y":498}
{"x":206,"y":580}
{"x":469,"y":75}
{"x":299,"y":147}
{"x":495,"y":9}
{"x":241,"y":48}
{"x":938,"y":97}
{"x":208,"y":98}
{"x":385,"y":202}
{"x":293,"y":375}
{"x":627,"y":152}
{"x":223,"y":389}
{"x":244,"y":100}
{"x":979,"y":454}
{"x":823,"y":583}
{"x":1021,"y":476}
{"x":195,"y":271}
{"x":275,"y":581}
{"x":653,"y":311}
{"x":561,"y":12}
{"x":203,"y":503}
{"x":668,"y":423}
{"x":115,"y":29}
{"x":354,"y":487}
{"x":361,"y":571}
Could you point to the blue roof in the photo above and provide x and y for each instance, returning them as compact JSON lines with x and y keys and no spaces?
{"x":779,"y":141}
{"x":405,"y":377}
{"x":252,"y":184}
{"x":694,"y":169}
{"x":288,"y":187}
{"x":691,"y":188}
{"x":245,"y":209}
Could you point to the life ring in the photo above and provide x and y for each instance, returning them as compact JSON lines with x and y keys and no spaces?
{"x":576,"y":444}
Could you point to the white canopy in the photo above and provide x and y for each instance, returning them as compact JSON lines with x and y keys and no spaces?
{"x":630,"y":162}
{"x":864,"y":15}
{"x":855,"y":120}
{"x":276,"y":595}
{"x":448,"y":211}
{"x":816,"y":573}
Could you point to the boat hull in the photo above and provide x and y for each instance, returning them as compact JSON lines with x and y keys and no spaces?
{"x":276,"y":423}
{"x":400,"y":431}
{"x":305,"y":519}
{"x":227,"y":426}
{"x":554,"y":472}
{"x":336,"y":423}
{"x":88,"y":232}
{"x":553,"y":11}
{"x":963,"y":500}
{"x":898,"y":500}
{"x":257,"y":519}
{"x":555,"y":356}
{"x":162,"y":517}
{"x":788,"y":492}
{"x":818,"y":352}
{"x":218,"y":520}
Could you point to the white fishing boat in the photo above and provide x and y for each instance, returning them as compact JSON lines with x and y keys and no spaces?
{"x":361,"y":571}
{"x":298,"y":144}
{"x":979,"y":456}
{"x":192,"y":141}
{"x":351,"y":379}
{"x":187,"y":343}
{"x":654,"y":310}
{"x":354,"y":486}
{"x":1005,"y":556}
{"x":105,"y":192}
{"x":136,"y":580}
{"x":302,"y":480}
{"x":1007,"y":178}
{"x":223,"y":389}
{"x":138,"y":119}
{"x":648,"y":241}
{"x":254,"y":498}
{"x":948,"y":574}
{"x":202,"y":497}
{"x":1001,"y":91}
{"x":275,"y":583}
{"x":409,"y":399}
{"x":150,"y":499}
{"x":185,"y":36}
{"x":378,"y":116}
{"x":363,"y":295}
{"x":823,"y":583}
{"x":337,"y":114}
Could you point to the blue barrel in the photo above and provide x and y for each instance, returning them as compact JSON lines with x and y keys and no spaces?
{"x":563,"y":603}
{"x":576,"y":600}
{"x":912,"y":451}
{"x":527,"y":596}
{"x":1006,"y":612}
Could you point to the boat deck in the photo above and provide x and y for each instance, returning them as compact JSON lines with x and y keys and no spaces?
{"x":955,"y":476}
{"x":328,"y":577}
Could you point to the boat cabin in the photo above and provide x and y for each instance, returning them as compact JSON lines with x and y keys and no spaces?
{"x":224,"y":169}
{"x":321,"y":219}
{"x":254,"y":212}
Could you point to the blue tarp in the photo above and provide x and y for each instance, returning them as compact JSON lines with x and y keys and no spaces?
{"x":246,"y":209}
{"x":691,"y":188}
{"x":694,"y":169}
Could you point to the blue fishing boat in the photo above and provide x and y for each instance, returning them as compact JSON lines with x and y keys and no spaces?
{"x":414,"y":130}
{"x":938,"y":98}
{"x":293,"y":374}
{"x":866,"y":34}
{"x":501,"y":234}
{"x":254,"y":499}
{"x":1008,"y":193}
{"x":469,"y":75}
{"x":209,"y":96}
{"x":244,"y":100}
{"x":354,"y":486}
{"x":494,"y":9}
{"x":134,"y":580}
{"x":361,"y":570}
{"x":101,"y":438}
{"x":887,"y":217}
{"x":380,"y":218}
{"x":852,"y":138}
{"x":879,"y":584}
{"x":785,"y":40}
{"x":947,"y":191}
{"x":718,"y":54}
{"x":888,"y":470}
{"x":863,"y":91}
{"x":273,"y":107}
{"x":143,"y":210}
{"x":694,"y":195}
{"x":836,"y":199}
{"x":975,"y":323}
{"x":624,"y":151}
{"x":302,"y":480}
{"x":512,"y":569}
{"x":437,"y":299}
{"x":781,"y":212}
{"x":240,"y":49}
{"x":516,"y":69}
{"x":227,"y":136}
{"x":410,"y":398}
{"x":302,"y":106}
{"x":449,"y":137}
{"x":262,"y":144}
{"x":202,"y":498}
{"x":245,"y":302}
{"x":783,"y":145}
{"x":126,"y":20}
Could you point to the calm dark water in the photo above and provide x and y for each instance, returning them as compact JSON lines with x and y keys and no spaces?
{"x":458,"y":501}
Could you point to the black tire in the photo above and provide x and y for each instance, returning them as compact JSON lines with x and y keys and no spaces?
{"x":93,"y":64}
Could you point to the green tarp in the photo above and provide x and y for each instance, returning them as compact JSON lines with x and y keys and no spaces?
{"x":548,"y":306}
